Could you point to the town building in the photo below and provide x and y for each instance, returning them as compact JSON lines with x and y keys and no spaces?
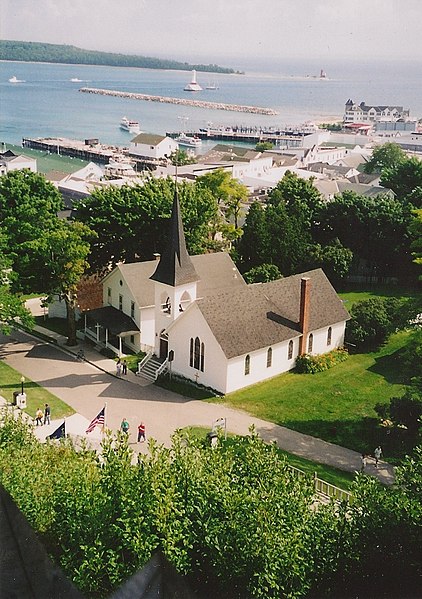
{"x":196,"y":316}
{"x":152,"y":146}
{"x":9,"y":161}
{"x":364,"y":114}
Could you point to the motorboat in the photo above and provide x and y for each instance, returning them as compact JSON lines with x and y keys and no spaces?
{"x":211,"y":85}
{"x":14,"y":79}
{"x":129,"y":125}
{"x":76,"y":80}
{"x":188,"y":141}
{"x":193,"y":86}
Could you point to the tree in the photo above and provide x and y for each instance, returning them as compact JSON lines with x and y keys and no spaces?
{"x":334,"y":259}
{"x":28,"y":208}
{"x":65,"y":249}
{"x":217,"y":182}
{"x":404,"y":179}
{"x":254,"y":243}
{"x":261,"y":146}
{"x":415,"y":229}
{"x":302,"y":200}
{"x":12,"y":310}
{"x":181,"y":157}
{"x":130,"y":222}
{"x":373,"y":320}
{"x":407,"y":410}
{"x":262,"y":274}
{"x":387,"y":155}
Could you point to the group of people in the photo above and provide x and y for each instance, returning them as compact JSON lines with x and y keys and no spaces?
{"x":121,"y":367}
{"x":43,"y":417}
{"x":377,"y":457}
{"x":124,"y":427}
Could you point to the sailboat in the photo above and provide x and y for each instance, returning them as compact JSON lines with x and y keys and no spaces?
{"x":211,"y":85}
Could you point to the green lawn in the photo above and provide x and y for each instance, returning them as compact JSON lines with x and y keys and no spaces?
{"x":336,"y":405}
{"x":10,"y":380}
{"x":331,"y":475}
{"x":49,"y":162}
{"x":351,"y":297}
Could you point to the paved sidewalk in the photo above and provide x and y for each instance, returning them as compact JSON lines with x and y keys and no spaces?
{"x":87,"y":386}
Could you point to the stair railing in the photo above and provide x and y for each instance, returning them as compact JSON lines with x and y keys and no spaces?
{"x":144,"y":361}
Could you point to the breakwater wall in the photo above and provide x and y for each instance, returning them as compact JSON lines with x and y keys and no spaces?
{"x":181,"y":101}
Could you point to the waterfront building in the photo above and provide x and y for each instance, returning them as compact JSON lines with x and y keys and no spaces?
{"x":151,"y":146}
{"x":9,"y":161}
{"x":364,"y":114}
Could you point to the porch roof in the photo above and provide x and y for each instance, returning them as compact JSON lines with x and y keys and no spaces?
{"x":112,"y":319}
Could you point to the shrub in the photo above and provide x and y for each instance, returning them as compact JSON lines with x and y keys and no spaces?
{"x":308,"y":364}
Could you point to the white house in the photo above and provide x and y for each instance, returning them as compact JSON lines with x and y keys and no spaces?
{"x":362,"y":113}
{"x":9,"y":161}
{"x":197,"y":316}
{"x":149,"y":145}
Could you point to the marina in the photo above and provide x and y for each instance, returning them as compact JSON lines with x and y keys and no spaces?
{"x":180,"y":101}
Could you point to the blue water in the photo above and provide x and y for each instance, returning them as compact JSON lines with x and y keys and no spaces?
{"x":49,"y":104}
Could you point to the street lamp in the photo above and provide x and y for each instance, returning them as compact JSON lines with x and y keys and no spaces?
{"x":22,"y":382}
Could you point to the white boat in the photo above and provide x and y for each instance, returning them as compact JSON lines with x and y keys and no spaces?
{"x":76,"y":80}
{"x":14,"y":79}
{"x":129,"y":125}
{"x":188,"y":141}
{"x":211,"y":86}
{"x":193,"y":86}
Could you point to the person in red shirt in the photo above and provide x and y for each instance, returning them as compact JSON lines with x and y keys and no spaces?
{"x":141,"y":432}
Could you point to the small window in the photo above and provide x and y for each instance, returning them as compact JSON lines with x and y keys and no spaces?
{"x":121,"y":303}
{"x":269,"y":357}
{"x":290,"y":350}
{"x":202,"y":357}
{"x":121,"y":283}
{"x":197,"y":353}
{"x":191,"y":352}
{"x":109,"y":296}
{"x":247,"y":364}
{"x":329,"y":335}
{"x":310,"y":343}
{"x":132,"y":338}
{"x":132,"y":309}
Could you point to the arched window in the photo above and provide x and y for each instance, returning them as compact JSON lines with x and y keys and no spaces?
{"x":310,"y":343}
{"x":247,"y":364}
{"x":329,"y":335}
{"x":196,"y":354}
{"x":191,"y":352}
{"x":290,"y":350}
{"x":269,"y":357}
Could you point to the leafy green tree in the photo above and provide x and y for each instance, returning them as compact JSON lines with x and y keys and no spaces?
{"x":254,"y":243}
{"x":64,"y":250}
{"x":334,"y":259}
{"x":28,"y":209}
{"x":262,"y":274}
{"x":130,"y":222}
{"x":407,"y":410}
{"x":405,"y":179}
{"x":181,"y":157}
{"x":261,"y":146}
{"x":373,"y":320}
{"x":387,"y":155}
{"x":217,"y":182}
{"x":302,"y":200}
{"x":415,"y":229}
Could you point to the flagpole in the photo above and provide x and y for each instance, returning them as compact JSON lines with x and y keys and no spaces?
{"x":105,"y":418}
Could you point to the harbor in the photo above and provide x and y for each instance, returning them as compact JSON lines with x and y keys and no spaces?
{"x":181,"y":101}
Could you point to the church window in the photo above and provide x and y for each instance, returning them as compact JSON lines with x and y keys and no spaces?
{"x":247,"y":364}
{"x":329,"y":335}
{"x":132,"y":309}
{"x":310,"y":343}
{"x":269,"y":357}
{"x":121,"y":303}
{"x":196,"y":354}
{"x":290,"y":350}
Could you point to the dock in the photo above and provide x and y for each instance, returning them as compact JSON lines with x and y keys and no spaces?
{"x":180,"y":101}
{"x":279,"y":138}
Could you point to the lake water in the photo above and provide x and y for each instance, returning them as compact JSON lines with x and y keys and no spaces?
{"x":48,"y":103}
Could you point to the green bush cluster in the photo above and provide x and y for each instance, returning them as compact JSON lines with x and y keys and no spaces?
{"x":308,"y":364}
{"x":235,"y":519}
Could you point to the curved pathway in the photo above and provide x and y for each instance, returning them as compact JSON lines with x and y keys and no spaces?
{"x":87,"y":386}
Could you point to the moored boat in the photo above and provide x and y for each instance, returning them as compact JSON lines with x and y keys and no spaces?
{"x":129,"y":125}
{"x":14,"y":79}
{"x":188,"y":141}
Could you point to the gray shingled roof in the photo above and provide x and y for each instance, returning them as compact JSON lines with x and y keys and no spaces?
{"x":150,"y":139}
{"x":216,"y":272}
{"x":261,"y":315}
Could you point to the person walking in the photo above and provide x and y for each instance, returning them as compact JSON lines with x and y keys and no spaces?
{"x":124,"y":368}
{"x":47,"y":413}
{"x":377,"y":455}
{"x":141,"y":432}
{"x":118,"y":367}
{"x":124,"y":426}
{"x":39,"y":416}
{"x":362,"y":462}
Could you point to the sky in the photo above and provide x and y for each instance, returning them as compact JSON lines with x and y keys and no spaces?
{"x":229,"y":32}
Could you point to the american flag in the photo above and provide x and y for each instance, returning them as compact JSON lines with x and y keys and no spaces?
{"x":98,"y":420}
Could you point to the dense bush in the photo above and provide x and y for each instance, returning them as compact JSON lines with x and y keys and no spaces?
{"x":234,"y":518}
{"x":374,"y":319}
{"x":311,"y":364}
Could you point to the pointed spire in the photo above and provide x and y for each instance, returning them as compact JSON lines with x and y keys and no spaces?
{"x":175,"y":266}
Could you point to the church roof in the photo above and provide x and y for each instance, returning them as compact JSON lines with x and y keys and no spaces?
{"x":260,"y":315}
{"x":216,"y":272}
{"x":175,"y":266}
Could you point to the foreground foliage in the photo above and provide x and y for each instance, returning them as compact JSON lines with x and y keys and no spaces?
{"x":233,"y":518}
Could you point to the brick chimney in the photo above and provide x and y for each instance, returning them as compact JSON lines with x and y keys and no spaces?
{"x":305,"y":289}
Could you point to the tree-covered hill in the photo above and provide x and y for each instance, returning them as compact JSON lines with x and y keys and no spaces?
{"x":41,"y":52}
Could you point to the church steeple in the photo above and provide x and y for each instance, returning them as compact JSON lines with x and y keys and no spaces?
{"x":175,"y":266}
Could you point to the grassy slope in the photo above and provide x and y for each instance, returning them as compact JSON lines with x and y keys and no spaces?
{"x":49,"y":162}
{"x":336,"y":405}
{"x":36,"y":396}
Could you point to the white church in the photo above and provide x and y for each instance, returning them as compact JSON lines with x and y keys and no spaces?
{"x":196,"y":316}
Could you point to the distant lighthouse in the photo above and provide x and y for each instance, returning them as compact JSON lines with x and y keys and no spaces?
{"x":193,"y":86}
